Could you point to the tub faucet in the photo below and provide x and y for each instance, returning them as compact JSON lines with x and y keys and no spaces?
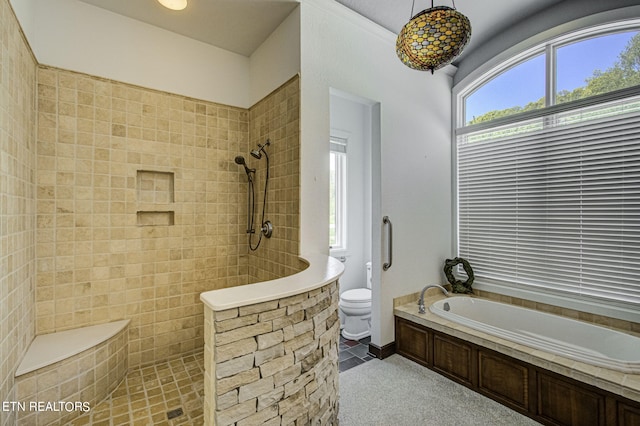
{"x":421,"y":309}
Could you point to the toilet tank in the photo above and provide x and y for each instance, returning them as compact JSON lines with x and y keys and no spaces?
{"x":368,"y":274}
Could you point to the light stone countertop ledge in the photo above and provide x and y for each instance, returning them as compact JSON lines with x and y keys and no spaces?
{"x":322,"y":270}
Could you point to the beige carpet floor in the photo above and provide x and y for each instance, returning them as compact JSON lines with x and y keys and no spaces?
{"x":396,"y":391}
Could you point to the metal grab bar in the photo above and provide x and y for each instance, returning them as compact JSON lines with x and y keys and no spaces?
{"x":387,"y":221}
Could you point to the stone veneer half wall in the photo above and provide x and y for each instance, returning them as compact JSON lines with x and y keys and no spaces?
{"x":274,"y":363}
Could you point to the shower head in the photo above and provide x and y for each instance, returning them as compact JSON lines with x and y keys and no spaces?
{"x":240,"y":161}
{"x":257,"y":153}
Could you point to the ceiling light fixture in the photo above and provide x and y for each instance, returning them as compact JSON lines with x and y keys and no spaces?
{"x":174,"y":4}
{"x":433,"y":38}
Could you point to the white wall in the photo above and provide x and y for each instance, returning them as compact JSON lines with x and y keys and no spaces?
{"x":277,"y":59}
{"x":81,"y":37}
{"x":342,"y":50}
{"x":77,"y":36}
{"x":25,"y":11}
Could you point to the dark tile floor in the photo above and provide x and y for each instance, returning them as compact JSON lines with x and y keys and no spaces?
{"x":354,"y":352}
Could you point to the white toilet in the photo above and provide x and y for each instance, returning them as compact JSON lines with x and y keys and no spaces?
{"x":355,"y":305}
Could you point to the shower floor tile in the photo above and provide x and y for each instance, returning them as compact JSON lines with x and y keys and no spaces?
{"x":168,"y":393}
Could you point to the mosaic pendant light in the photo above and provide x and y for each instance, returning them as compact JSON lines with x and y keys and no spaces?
{"x":433,"y":38}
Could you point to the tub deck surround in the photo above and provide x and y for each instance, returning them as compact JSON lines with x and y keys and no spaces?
{"x":616,"y":382}
{"x":271,"y":351}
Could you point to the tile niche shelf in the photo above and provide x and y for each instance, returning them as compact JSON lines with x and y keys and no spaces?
{"x":155,"y":196}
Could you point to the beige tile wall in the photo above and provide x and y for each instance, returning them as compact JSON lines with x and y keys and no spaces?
{"x":141,"y":206}
{"x":277,"y":118}
{"x":95,"y":262}
{"x":17,"y":201}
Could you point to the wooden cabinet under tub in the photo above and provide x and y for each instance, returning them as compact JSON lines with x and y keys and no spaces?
{"x":547,"y":397}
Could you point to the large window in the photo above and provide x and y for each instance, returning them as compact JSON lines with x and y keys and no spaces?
{"x":338,"y":194}
{"x":549,"y":197}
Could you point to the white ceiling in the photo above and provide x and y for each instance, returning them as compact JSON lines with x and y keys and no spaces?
{"x":241,"y":26}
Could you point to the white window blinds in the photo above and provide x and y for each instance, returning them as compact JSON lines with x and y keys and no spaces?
{"x":554,"y":202}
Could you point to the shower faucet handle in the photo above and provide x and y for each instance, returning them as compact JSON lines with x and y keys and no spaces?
{"x":267,"y":229}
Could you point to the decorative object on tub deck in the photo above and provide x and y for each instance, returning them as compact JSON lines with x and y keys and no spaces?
{"x":459,"y":286}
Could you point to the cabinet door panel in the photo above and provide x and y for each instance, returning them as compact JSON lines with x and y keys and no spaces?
{"x":628,"y":415}
{"x":412,"y":341}
{"x":504,"y":379}
{"x":567,"y":404}
{"x":453,"y":358}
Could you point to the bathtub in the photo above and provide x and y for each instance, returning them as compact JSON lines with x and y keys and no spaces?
{"x":563,"y":336}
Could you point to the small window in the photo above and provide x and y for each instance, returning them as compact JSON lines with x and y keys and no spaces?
{"x":519,"y":89}
{"x":338,"y":194}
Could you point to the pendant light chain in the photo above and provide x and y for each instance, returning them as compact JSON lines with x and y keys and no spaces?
{"x":413,"y":5}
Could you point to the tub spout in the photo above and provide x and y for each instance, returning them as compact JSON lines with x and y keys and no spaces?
{"x":421,"y":309}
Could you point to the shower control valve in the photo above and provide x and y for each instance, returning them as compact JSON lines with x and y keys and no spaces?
{"x":267,"y":229}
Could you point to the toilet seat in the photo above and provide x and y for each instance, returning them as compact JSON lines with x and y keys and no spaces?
{"x":356,"y":295}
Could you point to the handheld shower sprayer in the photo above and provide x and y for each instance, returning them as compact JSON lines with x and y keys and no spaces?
{"x":240,"y":161}
{"x":266,"y":228}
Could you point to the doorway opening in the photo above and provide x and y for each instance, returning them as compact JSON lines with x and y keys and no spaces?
{"x":355,"y":207}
